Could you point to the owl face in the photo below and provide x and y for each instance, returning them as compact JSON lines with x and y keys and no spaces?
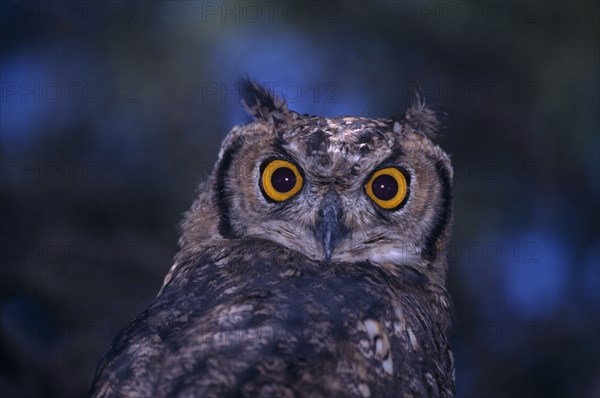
{"x":334,"y":189}
{"x":339,"y":189}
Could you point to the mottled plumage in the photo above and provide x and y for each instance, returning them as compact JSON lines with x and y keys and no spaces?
{"x":323,"y":294}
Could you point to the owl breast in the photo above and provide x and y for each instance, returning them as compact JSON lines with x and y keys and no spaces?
{"x":248,"y":323}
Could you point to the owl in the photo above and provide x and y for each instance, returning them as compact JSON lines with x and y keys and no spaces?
{"x":311,"y":264}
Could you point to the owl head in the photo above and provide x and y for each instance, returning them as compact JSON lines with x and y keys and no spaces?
{"x":335,"y":189}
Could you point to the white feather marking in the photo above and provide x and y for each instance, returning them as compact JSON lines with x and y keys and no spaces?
{"x":388,"y":365}
{"x":364,"y":390}
{"x":400,"y":322}
{"x":372,"y":327}
{"x":394,"y":255}
{"x":379,"y":347}
{"x":412,"y":338}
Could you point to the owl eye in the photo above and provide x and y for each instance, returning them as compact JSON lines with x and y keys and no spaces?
{"x":280,"y":180}
{"x":387,"y":187}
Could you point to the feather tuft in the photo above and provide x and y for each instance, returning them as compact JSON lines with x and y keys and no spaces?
{"x":260,"y":102}
{"x":420,"y":119}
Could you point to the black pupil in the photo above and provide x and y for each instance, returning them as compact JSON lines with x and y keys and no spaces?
{"x":283,"y":179}
{"x":385,"y":187}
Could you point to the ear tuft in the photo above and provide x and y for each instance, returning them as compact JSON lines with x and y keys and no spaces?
{"x":420,"y":119}
{"x":261,"y":102}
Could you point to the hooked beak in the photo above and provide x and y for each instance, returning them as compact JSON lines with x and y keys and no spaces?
{"x":328,"y":228}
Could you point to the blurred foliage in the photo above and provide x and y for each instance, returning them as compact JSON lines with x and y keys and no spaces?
{"x":112,"y":113}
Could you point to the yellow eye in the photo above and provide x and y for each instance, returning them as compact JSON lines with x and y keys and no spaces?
{"x":280,"y":180}
{"x":387,"y":187}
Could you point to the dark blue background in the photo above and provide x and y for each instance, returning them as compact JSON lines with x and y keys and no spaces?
{"x":113,"y":112}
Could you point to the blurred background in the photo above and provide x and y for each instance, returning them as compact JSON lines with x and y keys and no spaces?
{"x":111,"y":113}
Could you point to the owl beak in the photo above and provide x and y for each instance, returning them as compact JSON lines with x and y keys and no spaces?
{"x":328,"y":228}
